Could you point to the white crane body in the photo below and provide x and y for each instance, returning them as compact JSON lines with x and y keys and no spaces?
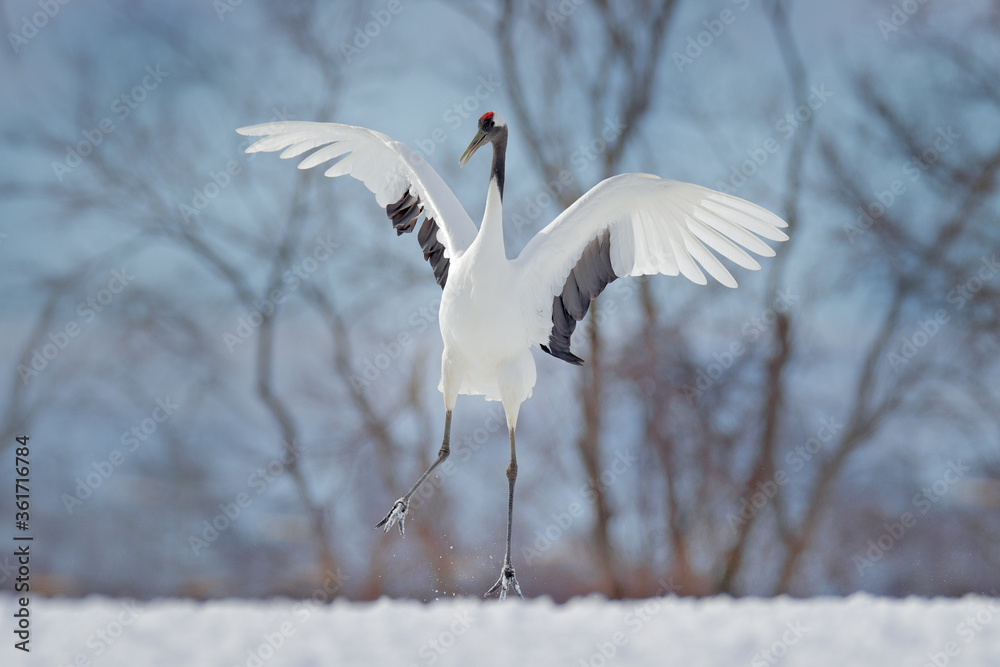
{"x":494,"y":310}
{"x":487,"y":342}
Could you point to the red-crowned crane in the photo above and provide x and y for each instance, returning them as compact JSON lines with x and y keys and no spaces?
{"x":495,"y":309}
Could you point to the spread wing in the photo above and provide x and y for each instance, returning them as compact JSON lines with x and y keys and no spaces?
{"x":401,"y":180}
{"x":634,"y":225}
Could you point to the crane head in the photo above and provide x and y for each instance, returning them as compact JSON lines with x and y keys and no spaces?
{"x":491,"y":128}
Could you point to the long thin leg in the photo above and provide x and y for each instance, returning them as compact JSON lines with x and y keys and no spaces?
{"x":507,"y":578}
{"x":398,"y":511}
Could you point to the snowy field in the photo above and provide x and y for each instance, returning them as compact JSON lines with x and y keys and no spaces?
{"x":859,"y":630}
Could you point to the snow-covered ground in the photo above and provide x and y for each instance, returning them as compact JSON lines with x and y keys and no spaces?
{"x":859,"y":630}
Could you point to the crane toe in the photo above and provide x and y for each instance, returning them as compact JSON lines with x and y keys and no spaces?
{"x":396,"y":514}
{"x":506,"y":582}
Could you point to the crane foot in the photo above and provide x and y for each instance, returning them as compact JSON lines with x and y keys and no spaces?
{"x":505,"y":582}
{"x":397,"y":513}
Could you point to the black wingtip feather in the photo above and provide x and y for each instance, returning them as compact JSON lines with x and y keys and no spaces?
{"x":565,"y":355}
{"x":404,"y":215}
{"x":592,"y":273}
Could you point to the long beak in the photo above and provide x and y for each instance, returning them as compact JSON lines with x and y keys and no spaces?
{"x":477,"y":141}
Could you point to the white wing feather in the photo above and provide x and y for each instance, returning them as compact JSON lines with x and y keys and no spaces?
{"x":388,"y":168}
{"x":656,"y":226}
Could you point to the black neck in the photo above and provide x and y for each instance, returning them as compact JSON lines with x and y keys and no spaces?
{"x":499,"y":150}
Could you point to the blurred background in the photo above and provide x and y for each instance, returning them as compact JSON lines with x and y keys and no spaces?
{"x":228,"y":368}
